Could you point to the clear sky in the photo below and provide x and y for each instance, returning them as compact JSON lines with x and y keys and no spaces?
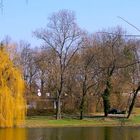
{"x":19,"y":19}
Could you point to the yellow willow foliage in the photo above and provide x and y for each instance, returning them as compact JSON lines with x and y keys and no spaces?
{"x":12,"y":103}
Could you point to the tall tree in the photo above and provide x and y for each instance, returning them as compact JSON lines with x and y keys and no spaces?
{"x":64,"y":37}
{"x":112,"y":59}
{"x":87,"y":70}
{"x":135,"y":74}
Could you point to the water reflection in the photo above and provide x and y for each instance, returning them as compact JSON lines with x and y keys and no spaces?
{"x":91,"y":133}
{"x":13,"y":134}
{"x":106,"y":133}
{"x":95,"y":133}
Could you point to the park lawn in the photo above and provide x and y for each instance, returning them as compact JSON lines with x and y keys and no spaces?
{"x":99,"y":120}
{"x":135,"y":119}
{"x":43,"y":121}
{"x":136,"y":111}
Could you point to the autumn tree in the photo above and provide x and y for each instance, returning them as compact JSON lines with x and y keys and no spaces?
{"x":87,"y":70}
{"x":45,"y":62}
{"x":12,"y":103}
{"x":112,"y":59}
{"x":27,"y":62}
{"x":135,"y":74}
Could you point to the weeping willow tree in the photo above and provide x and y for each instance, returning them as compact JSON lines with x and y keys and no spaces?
{"x":12,"y":103}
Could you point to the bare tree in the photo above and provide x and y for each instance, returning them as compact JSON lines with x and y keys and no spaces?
{"x":27,"y":61}
{"x":87,"y":71}
{"x":64,"y":37}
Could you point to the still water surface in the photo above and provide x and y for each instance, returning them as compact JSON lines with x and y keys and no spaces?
{"x":80,"y":133}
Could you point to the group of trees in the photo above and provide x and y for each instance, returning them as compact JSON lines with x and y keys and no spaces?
{"x":80,"y":65}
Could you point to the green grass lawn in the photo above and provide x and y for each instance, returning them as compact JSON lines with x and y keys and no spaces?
{"x":99,"y":120}
{"x":43,"y":121}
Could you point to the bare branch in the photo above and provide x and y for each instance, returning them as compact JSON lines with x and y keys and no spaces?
{"x":123,"y":35}
{"x":130,"y":24}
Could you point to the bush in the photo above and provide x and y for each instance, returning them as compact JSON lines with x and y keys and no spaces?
{"x":40,"y":112}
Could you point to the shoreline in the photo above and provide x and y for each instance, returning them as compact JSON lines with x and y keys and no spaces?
{"x":51,"y":122}
{"x":45,"y":122}
{"x":76,"y":126}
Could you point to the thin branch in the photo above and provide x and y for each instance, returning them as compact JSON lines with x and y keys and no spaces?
{"x":130,"y":24}
{"x":71,"y":57}
{"x":123,"y":66}
{"x":48,"y":43}
{"x":74,"y":38}
{"x":74,"y":52}
{"x":125,"y":35}
{"x":128,"y":65}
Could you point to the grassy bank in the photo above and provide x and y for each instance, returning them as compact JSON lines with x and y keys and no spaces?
{"x":42,"y":121}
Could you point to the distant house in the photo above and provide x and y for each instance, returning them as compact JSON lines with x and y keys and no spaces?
{"x":36,"y":102}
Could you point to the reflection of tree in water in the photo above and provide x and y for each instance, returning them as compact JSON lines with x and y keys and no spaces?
{"x":106,"y":133}
{"x":95,"y":133}
{"x":56,"y":134}
{"x":122,"y":133}
{"x":13,"y":134}
{"x":133,"y":133}
{"x":114,"y":133}
{"x":45,"y":134}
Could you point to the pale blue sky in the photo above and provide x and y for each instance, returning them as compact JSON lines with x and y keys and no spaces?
{"x":19,"y":19}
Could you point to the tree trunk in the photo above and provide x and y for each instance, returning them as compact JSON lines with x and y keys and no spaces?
{"x":106,"y":104}
{"x":82,"y":107}
{"x":42,"y":88}
{"x":133,"y":102}
{"x":81,"y":114}
{"x":58,"y":108}
{"x":106,"y":101}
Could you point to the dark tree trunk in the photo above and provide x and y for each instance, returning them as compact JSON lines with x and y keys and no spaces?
{"x":106,"y":93}
{"x":82,"y":107}
{"x":59,"y":93}
{"x":133,"y":102}
{"x":82,"y":104}
{"x":42,"y":88}
{"x":58,"y":108}
{"x":81,"y":114}
{"x":106,"y":101}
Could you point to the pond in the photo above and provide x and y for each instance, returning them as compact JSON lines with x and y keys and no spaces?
{"x":76,"y":133}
